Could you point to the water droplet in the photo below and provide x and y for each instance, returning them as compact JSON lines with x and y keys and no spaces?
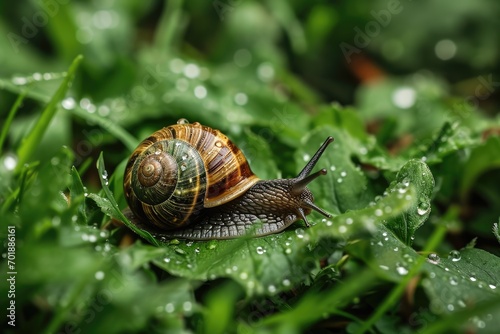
{"x":286,"y":282}
{"x":169,"y":308}
{"x":189,"y":243}
{"x":68,"y":103}
{"x":243,"y":275}
{"x":306,"y":157}
{"x":342,"y":229}
{"x":19,"y":80}
{"x":166,"y":260}
{"x":265,"y":72}
{"x":401,"y":270}
{"x":492,"y":286}
{"x":99,"y":275}
{"x":10,"y":161}
{"x":333,"y":168}
{"x":383,"y":267}
{"x":349,"y":221}
{"x":445,"y":49}
{"x":423,"y":208}
{"x":288,"y":251}
{"x":176,"y":65}
{"x":212,"y":244}
{"x":241,"y":99}
{"x":454,"y":255}
{"x":260,"y":250}
{"x":180,"y":251}
{"x":378,"y":212}
{"x":191,"y":71}
{"x":450,"y":307}
{"x":197,"y":250}
{"x":339,"y":180}
{"x":343,"y":174}
{"x":218,"y":143}
{"x":271,"y":288}
{"x":200,"y":92}
{"x":183,"y":167}
{"x":473,"y":279}
{"x":404,"y":97}
{"x":453,"y":280}
{"x":300,"y":233}
{"x":433,"y":258}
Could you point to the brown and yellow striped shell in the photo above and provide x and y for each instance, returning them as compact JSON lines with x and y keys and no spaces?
{"x":181,"y":169}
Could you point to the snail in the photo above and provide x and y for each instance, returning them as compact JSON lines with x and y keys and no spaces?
{"x":190,"y":181}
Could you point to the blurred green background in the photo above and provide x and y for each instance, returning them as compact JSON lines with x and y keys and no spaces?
{"x":396,"y":80}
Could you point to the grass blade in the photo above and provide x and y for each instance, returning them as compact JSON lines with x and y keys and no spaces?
{"x":10,"y":117}
{"x":30,"y":143}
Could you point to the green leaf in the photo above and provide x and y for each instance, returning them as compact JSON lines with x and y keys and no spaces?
{"x":454,"y":282}
{"x":275,"y":263}
{"x":30,"y":143}
{"x":416,"y":173}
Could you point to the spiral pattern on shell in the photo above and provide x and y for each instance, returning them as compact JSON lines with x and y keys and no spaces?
{"x":181,"y":169}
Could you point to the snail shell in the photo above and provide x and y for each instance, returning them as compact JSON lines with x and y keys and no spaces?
{"x":190,"y":181}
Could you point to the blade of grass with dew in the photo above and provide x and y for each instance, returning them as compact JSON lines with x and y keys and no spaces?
{"x":30,"y":143}
{"x":10,"y":117}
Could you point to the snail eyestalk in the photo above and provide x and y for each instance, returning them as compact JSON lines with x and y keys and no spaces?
{"x":310,"y":165}
{"x":300,"y":185}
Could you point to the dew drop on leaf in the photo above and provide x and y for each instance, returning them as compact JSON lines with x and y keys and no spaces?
{"x":300,"y":233}
{"x":454,"y":255}
{"x":260,"y":250}
{"x":401,"y":270}
{"x":453,"y":280}
{"x":433,"y":258}
{"x":423,"y":208}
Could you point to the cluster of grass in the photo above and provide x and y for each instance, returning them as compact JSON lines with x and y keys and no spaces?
{"x":412,"y":183}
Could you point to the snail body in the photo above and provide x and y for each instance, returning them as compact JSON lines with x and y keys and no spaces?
{"x":190,"y":181}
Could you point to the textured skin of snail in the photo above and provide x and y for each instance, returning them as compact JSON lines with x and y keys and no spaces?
{"x":190,"y":181}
